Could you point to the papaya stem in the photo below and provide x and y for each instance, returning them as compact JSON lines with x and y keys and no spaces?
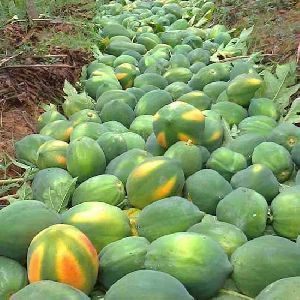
{"x":11,"y":180}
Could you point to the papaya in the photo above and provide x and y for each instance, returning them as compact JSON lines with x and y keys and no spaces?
{"x":227,"y":235}
{"x":178,"y":60}
{"x":196,"y":98}
{"x":13,"y":277}
{"x":152,"y":101}
{"x":250,"y":277}
{"x":126,"y":73}
{"x":59,"y":130}
{"x":285,"y":210}
{"x":212,"y":47}
{"x":231,"y":112}
{"x":153,"y":147}
{"x":286,"y":135}
{"x":263,"y":107}
{"x":199,"y":55}
{"x":107,"y":59}
{"x":197,"y":66}
{"x":142,"y":125}
{"x":118,"y":47}
{"x":150,"y":79}
{"x":241,"y":67}
{"x":226,"y":162}
{"x":125,"y":59}
{"x":243,"y":88}
{"x":275,"y":157}
{"x":178,"y":121}
{"x":133,"y":141}
{"x":27,"y":148}
{"x":214,"y":89}
{"x":161,"y":176}
{"x":193,"y":40}
{"x":261,"y":125}
{"x":85,"y":158}
{"x":245,"y":209}
{"x":92,"y":130}
{"x":187,"y":155}
{"x":119,"y":111}
{"x":122,"y":165}
{"x":166,"y":216}
{"x":283,"y":288}
{"x":111,"y":30}
{"x":136,"y":92}
{"x":204,"y":153}
{"x":149,"y":40}
{"x":126,"y":255}
{"x":85,"y":115}
{"x":47,"y":117}
{"x":114,"y":126}
{"x":182,"y":49}
{"x":148,"y":285}
{"x":259,"y":178}
{"x":205,"y":189}
{"x":177,"y":89}
{"x":205,"y":259}
{"x":178,"y":75}
{"x":295,"y":153}
{"x":78,"y":102}
{"x":52,"y":154}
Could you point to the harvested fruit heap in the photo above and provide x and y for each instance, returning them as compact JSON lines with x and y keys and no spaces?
{"x":171,"y":176}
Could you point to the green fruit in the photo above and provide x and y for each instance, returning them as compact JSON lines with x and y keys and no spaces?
{"x":27,"y":148}
{"x":33,"y":216}
{"x":177,"y":89}
{"x":85,"y":159}
{"x":196,"y":98}
{"x":178,"y":121}
{"x":173,"y":8}
{"x":107,"y":59}
{"x":166,"y":216}
{"x":148,"y":285}
{"x":252,"y":277}
{"x":120,"y":258}
{"x":142,"y":125}
{"x":187,"y":155}
{"x":113,"y":144}
{"x":216,"y":29}
{"x":53,"y":186}
{"x":85,"y":115}
{"x":178,"y":75}
{"x":259,"y":178}
{"x":126,"y":74}
{"x":214,"y":89}
{"x":124,"y":59}
{"x":136,"y":92}
{"x":286,"y":288}
{"x":111,"y":30}
{"x":226,"y":162}
{"x":59,"y":130}
{"x":133,"y":141}
{"x":88,"y":129}
{"x":231,"y":112}
{"x":122,"y":96}
{"x":242,"y":67}
{"x":243,"y":88}
{"x":285,"y":211}
{"x":80,"y":101}
{"x":251,"y":140}
{"x":204,"y":153}
{"x":178,"y":60}
{"x":296,"y":155}
{"x":222,"y":38}
{"x":245,"y":209}
{"x":118,"y":47}
{"x":199,"y":55}
{"x":208,"y":74}
{"x":152,"y":101}
{"x":101,"y":188}
{"x":263,"y":107}
{"x":153,"y":147}
{"x":210,"y":46}
{"x":49,"y":290}
{"x":227,"y":235}
{"x":275,"y":157}
{"x":13,"y":277}
{"x":119,"y":111}
{"x":172,"y":37}
{"x":212,"y":137}
{"x":205,"y":189}
{"x":114,"y":126}
{"x":100,"y":222}
{"x":194,"y":41}
{"x":182,"y":49}
{"x":287,"y":135}
{"x":160,"y":176}
{"x":149,"y":40}
{"x":150,"y":79}
{"x":48,"y":117}
{"x":123,"y":164}
{"x":261,"y":125}
{"x":133,"y":53}
{"x":52,"y":154}
{"x":197,"y":66}
{"x":206,"y":262}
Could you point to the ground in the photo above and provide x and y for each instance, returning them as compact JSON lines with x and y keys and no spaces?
{"x":62,"y":40}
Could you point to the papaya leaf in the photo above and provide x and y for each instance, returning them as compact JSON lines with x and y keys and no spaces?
{"x":227,"y":133}
{"x":57,"y":199}
{"x":69,"y":89}
{"x":293,"y":114}
{"x":23,"y":193}
{"x":96,"y":52}
{"x":278,"y":86}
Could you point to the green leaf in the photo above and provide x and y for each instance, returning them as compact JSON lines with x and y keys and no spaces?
{"x":69,"y":89}
{"x":96,"y":52}
{"x":227,"y":133}
{"x":278,"y":86}
{"x":58,"y":198}
{"x":293,"y":115}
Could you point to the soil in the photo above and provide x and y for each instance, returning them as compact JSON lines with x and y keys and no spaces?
{"x":27,"y":81}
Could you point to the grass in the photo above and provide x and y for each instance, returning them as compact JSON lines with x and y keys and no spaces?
{"x":276,"y":23}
